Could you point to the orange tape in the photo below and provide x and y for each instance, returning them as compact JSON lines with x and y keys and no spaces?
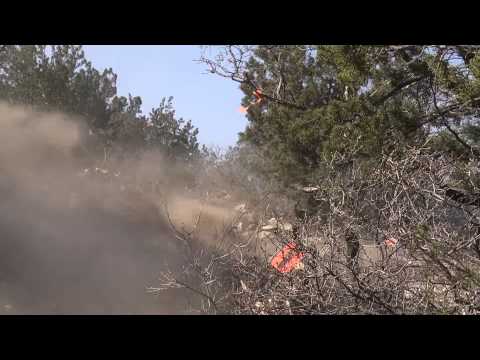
{"x":258,"y":94}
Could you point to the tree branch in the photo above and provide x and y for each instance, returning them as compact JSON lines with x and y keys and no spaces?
{"x":398,"y":88}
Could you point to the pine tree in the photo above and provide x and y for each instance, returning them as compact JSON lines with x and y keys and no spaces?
{"x":60,"y":78}
{"x":353,"y":102}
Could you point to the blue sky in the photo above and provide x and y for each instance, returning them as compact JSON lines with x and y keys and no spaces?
{"x":153,"y":72}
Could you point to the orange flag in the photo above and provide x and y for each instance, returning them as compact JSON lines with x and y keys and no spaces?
{"x":287,"y":259}
{"x":259,"y":98}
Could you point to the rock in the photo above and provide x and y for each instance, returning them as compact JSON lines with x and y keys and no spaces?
{"x":310,"y":189}
{"x":272,"y":224}
{"x":102,"y":171}
{"x":84,"y":172}
{"x":269,"y":227}
{"x":286,"y":227}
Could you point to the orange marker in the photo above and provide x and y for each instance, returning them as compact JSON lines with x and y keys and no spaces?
{"x":391,"y":242}
{"x":259,"y":98}
{"x":243,"y":109}
{"x":287,"y":259}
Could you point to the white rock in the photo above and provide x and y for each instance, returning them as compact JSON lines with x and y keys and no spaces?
{"x":269,"y":227}
{"x":272,"y":224}
{"x":286,"y":227}
{"x":241,"y":208}
{"x":310,"y":189}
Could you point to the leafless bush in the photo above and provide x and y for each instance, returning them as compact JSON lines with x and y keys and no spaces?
{"x":424,"y":202}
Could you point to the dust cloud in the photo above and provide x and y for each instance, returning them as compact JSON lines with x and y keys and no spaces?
{"x":72,"y":242}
